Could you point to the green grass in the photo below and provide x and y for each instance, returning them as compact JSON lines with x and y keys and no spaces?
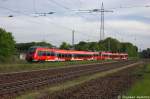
{"x":4,"y":68}
{"x":142,"y":87}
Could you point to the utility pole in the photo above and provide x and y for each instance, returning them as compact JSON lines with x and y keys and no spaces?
{"x":102,"y":23}
{"x":102,"y":28}
{"x":73,"y":31}
{"x":108,"y":45}
{"x":101,"y":11}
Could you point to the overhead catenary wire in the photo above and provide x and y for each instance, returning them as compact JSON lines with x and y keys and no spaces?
{"x":70,"y":29}
{"x":67,"y":8}
{"x":32,"y":21}
{"x":63,"y":6}
{"x":58,"y":4}
{"x":12,"y":10}
{"x":23,"y":13}
{"x":133,"y":6}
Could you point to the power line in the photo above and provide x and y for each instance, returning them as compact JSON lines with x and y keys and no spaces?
{"x":67,"y":8}
{"x":58,"y":4}
{"x":36,"y":21}
{"x":70,"y":29}
{"x":135,"y":6}
{"x":22,"y":13}
{"x":15,"y":11}
{"x":62,"y":6}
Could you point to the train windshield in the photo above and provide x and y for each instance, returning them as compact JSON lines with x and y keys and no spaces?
{"x":31,"y":50}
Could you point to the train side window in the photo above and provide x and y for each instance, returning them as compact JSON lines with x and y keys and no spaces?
{"x":44,"y":53}
{"x":70,"y":55}
{"x":79,"y":55}
{"x":62,"y":55}
{"x":52,"y":54}
{"x":96,"y":55}
{"x":40,"y":53}
{"x":76,"y":55}
{"x":59,"y":55}
{"x":66,"y":55}
{"x":82,"y":55}
{"x":48,"y":53}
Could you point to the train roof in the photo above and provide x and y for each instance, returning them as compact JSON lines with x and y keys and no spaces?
{"x":112,"y":53}
{"x":66,"y":51}
{"x":75,"y":51}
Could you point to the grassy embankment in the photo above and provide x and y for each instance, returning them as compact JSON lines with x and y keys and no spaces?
{"x":142,"y":87}
{"x":36,"y":66}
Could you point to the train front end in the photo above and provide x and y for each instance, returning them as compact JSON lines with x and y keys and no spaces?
{"x":31,"y":54}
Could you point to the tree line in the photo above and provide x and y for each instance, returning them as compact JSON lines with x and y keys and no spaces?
{"x":109,"y":44}
{"x":145,"y":53}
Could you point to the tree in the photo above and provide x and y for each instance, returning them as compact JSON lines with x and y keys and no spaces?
{"x":111,"y":44}
{"x":94,"y":46}
{"x":82,"y":46}
{"x":7,"y":44}
{"x":23,"y":47}
{"x":145,"y":53}
{"x":130,"y":49}
{"x":65,"y":46}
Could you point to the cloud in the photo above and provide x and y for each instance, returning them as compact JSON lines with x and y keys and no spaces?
{"x":135,"y":27}
{"x":123,"y":24}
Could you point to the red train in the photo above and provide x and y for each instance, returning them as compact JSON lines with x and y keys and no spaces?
{"x":47,"y":54}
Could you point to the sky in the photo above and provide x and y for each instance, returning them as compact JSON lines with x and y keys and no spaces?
{"x":129,"y":21}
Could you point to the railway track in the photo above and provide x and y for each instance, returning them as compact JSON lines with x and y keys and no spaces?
{"x":25,"y":75}
{"x":109,"y":87}
{"x":17,"y":76}
{"x":13,"y":88}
